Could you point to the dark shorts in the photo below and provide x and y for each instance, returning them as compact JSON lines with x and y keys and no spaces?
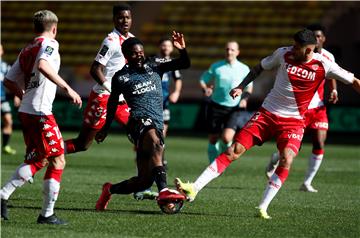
{"x":217,"y":116}
{"x":238,"y":119}
{"x":136,"y":129}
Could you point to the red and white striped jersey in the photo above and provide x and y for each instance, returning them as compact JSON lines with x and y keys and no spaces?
{"x":39,"y":91}
{"x":296,"y":83}
{"x":111,"y":56}
{"x":318,"y":99}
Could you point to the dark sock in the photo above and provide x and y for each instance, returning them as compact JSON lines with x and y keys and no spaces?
{"x":121,"y":188}
{"x":159,"y":175}
{"x":5,"y":139}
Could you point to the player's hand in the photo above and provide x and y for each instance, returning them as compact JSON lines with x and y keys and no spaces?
{"x":76,"y":99}
{"x":243,"y":103}
{"x":209,"y":91}
{"x":334,"y":97}
{"x":178,"y":40}
{"x":235,"y":92}
{"x":100,"y":136}
{"x":17,"y":102}
{"x":174,"y":97}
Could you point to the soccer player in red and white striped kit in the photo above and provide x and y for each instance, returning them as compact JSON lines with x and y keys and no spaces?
{"x":300,"y":72}
{"x":316,"y":120}
{"x":37,"y":68}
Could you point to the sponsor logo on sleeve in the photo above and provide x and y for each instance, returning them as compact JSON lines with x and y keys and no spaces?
{"x":49,"y":50}
{"x":104,"y":50}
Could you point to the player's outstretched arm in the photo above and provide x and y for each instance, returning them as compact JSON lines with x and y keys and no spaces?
{"x":183,"y":62}
{"x":45,"y":68}
{"x":254,"y":73}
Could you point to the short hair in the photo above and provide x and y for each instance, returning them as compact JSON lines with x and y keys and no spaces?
{"x":316,"y":27}
{"x":44,"y":20}
{"x":305,"y":37}
{"x":128,"y":44}
{"x":163,"y":39}
{"x":121,"y":7}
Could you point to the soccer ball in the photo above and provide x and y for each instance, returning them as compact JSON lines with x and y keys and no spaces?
{"x":171,"y":207}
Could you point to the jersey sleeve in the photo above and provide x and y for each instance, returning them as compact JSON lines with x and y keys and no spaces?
{"x":48,"y":49}
{"x":338,"y":73}
{"x":207,"y":75}
{"x":106,"y":51}
{"x":15,"y":73}
{"x":273,"y":60}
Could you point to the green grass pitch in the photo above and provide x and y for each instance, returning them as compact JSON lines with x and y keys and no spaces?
{"x":225,"y":208}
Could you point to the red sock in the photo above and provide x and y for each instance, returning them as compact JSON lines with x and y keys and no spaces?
{"x":282,"y":173}
{"x":318,"y":151}
{"x":53,"y":173}
{"x":69,"y":146}
{"x":222,"y":162}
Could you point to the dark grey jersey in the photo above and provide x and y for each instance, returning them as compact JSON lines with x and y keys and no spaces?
{"x":142,"y":88}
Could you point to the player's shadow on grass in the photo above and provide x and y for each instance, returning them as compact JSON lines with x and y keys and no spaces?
{"x":117,"y":211}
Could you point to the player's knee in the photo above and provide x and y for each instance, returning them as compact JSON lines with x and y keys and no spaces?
{"x":58,"y":162}
{"x":286,"y":161}
{"x":235,"y":151}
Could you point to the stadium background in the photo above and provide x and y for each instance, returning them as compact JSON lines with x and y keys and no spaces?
{"x":259,"y":27}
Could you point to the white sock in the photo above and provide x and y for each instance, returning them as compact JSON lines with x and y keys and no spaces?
{"x":314,"y":165}
{"x":51,"y":192}
{"x":271,"y":190}
{"x":21,"y":175}
{"x":207,"y":176}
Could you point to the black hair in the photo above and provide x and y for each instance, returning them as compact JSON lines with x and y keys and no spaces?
{"x":163,"y":39}
{"x":121,"y":7}
{"x":305,"y":37}
{"x":316,"y":27}
{"x":128,"y":44}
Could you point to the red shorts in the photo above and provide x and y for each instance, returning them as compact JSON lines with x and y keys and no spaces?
{"x":316,"y":118}
{"x":265,"y":125}
{"x":41,"y":135}
{"x":95,"y":111}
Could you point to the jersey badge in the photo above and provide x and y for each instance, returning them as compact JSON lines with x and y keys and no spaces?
{"x":49,"y":50}
{"x":104,"y":50}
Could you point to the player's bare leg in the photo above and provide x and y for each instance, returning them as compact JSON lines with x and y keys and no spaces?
{"x":82,"y":142}
{"x":226,"y":139}
{"x":315,"y":160}
{"x":276,"y":181}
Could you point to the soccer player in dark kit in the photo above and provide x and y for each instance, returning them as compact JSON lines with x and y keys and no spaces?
{"x":140,"y":83}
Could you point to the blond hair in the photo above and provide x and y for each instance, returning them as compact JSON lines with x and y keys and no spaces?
{"x":44,"y":20}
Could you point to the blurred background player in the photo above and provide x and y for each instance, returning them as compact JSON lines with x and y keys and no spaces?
{"x":140,"y":83}
{"x":37,"y":68}
{"x":108,"y":61}
{"x":225,"y":75}
{"x":300,"y":72}
{"x":316,"y":120}
{"x":166,"y":48}
{"x":6,"y":116}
